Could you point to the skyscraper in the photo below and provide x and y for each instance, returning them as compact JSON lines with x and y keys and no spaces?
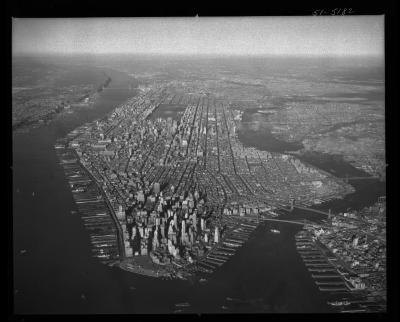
{"x":202,"y":224}
{"x":156,"y":188}
{"x":120,"y":213}
{"x":183,"y":227}
{"x":216,"y":235}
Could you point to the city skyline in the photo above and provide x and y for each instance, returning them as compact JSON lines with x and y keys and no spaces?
{"x":320,"y":36}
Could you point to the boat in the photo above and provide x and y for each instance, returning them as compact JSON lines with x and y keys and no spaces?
{"x":339,"y":303}
{"x":68,"y":161}
{"x":231,"y":299}
{"x":186,"y":304}
{"x":202,"y":280}
{"x":354,"y":311}
{"x":275,"y":231}
{"x":224,"y":307}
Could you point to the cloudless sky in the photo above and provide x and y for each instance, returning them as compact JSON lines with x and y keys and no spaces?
{"x":311,"y":35}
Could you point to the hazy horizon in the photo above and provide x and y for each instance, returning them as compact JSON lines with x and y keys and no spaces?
{"x":325,"y":36}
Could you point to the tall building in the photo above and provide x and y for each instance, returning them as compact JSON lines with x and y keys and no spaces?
{"x":162,"y":228}
{"x":175,"y":221}
{"x":191,"y":234}
{"x":292,"y":202}
{"x":216,"y":235}
{"x":155,"y":240}
{"x":120,"y":213}
{"x":128,"y":252}
{"x":194,"y":221}
{"x":170,"y":228}
{"x":140,"y":196}
{"x":156,"y":188}
{"x":183,"y":227}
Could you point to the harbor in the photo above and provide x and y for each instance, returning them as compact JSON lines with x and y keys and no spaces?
{"x":220,"y":253}
{"x":332,"y":280}
{"x":91,"y":208}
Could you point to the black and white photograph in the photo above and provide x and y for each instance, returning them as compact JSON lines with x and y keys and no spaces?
{"x":199,"y":165}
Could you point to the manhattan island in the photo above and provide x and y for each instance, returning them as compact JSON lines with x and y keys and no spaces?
{"x":175,"y":196}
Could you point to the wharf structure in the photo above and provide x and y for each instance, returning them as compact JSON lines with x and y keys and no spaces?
{"x":180,"y":193}
{"x":345,"y":286}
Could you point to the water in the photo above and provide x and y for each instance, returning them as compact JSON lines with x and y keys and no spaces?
{"x":56,"y":267}
{"x":269,"y":268}
{"x":254,"y":131}
{"x":56,"y":274}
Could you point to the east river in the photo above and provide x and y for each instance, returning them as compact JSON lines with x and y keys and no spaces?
{"x":54,"y":271}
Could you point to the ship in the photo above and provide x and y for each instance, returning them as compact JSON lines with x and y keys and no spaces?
{"x":177,"y":311}
{"x":275,"y":231}
{"x":232,"y":299}
{"x":59,"y":146}
{"x":186,"y":304}
{"x":339,"y":303}
{"x":78,"y":190}
{"x":103,"y":256}
{"x":68,"y":161}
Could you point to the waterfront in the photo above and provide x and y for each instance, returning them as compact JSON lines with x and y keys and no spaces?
{"x":255,"y":132}
{"x":56,"y":243}
{"x":63,"y":278}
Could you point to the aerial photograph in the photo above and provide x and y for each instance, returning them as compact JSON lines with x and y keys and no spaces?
{"x":199,"y":165}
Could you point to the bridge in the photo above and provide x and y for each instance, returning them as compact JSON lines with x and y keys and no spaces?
{"x":362,"y":178}
{"x":307,"y":222}
{"x":313,"y":210}
{"x":300,"y":222}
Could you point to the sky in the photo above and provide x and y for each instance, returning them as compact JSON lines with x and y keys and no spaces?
{"x":310,"y":35}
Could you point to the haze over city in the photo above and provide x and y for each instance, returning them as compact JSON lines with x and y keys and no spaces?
{"x":316,"y":36}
